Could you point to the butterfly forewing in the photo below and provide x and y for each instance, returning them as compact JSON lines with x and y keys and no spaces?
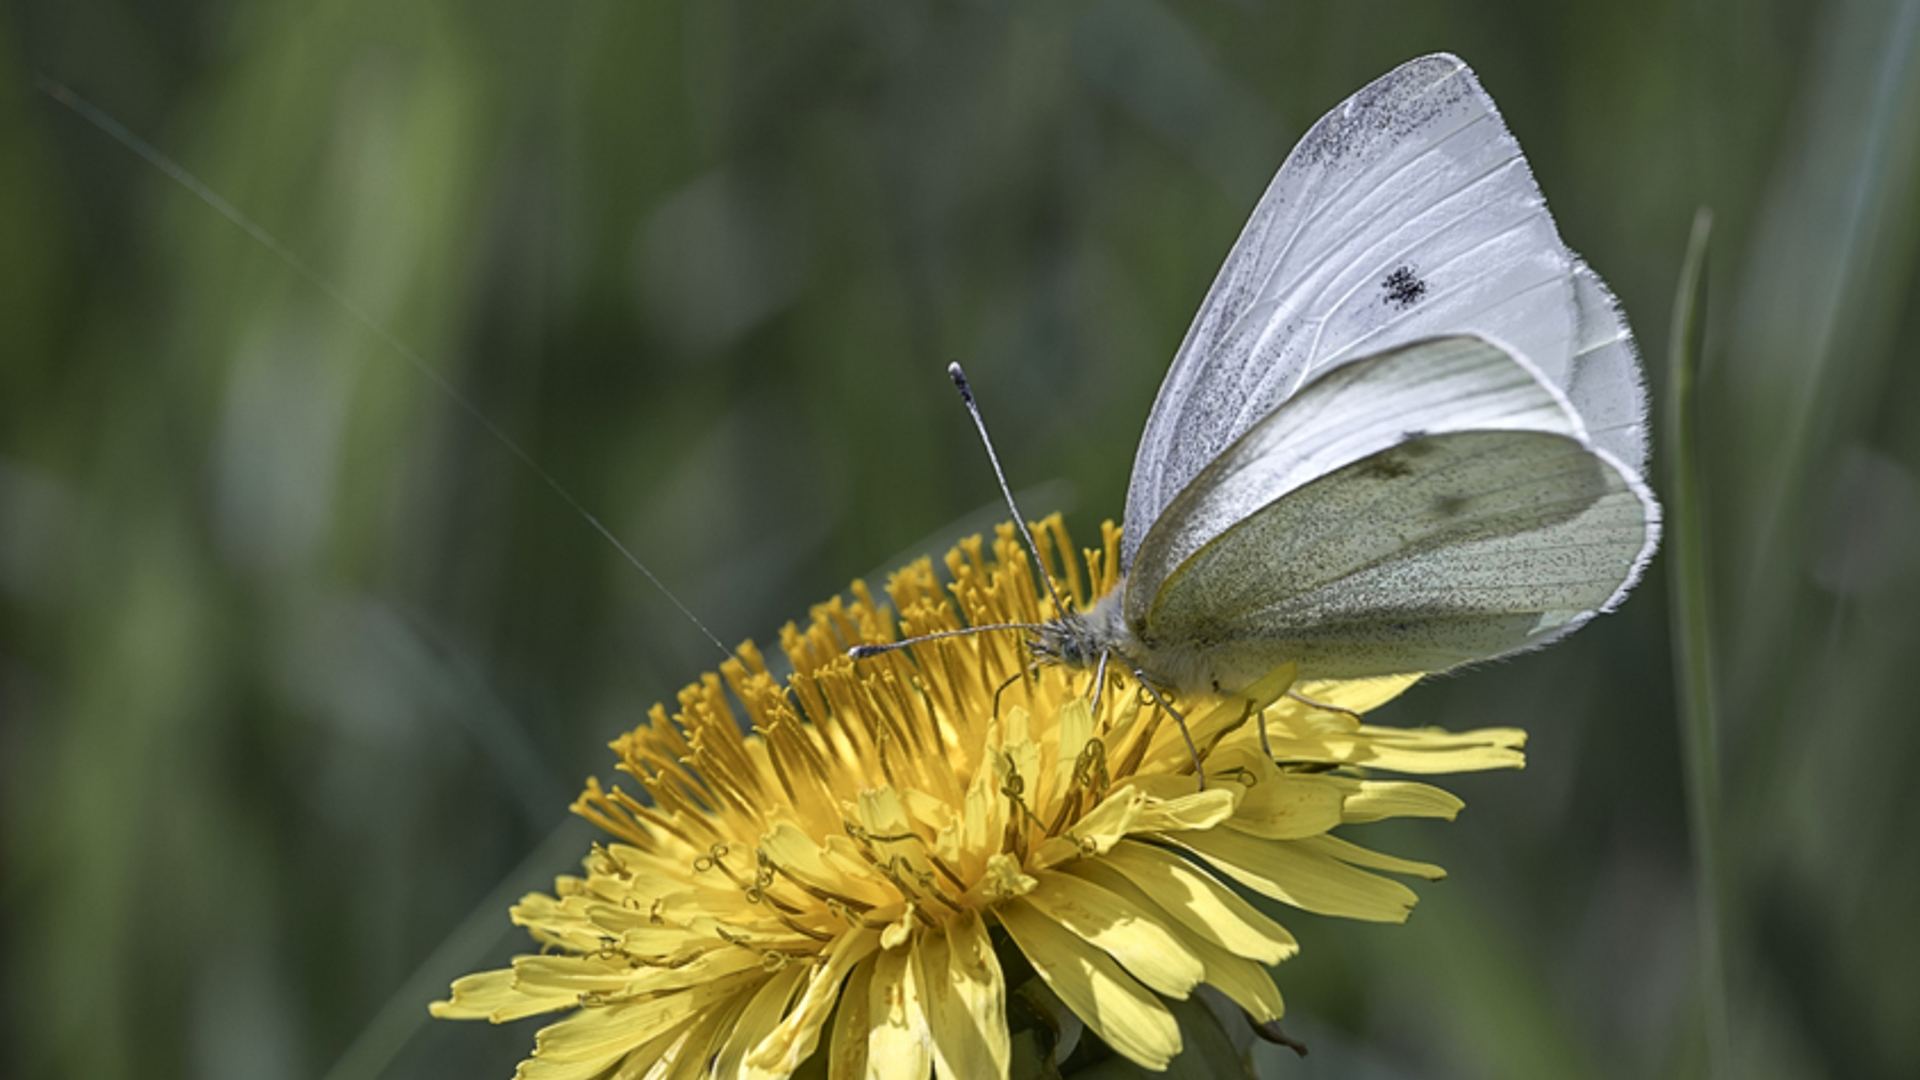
{"x":1603,"y":379}
{"x":1408,"y":211}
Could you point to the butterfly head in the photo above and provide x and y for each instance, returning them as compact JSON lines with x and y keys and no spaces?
{"x":1078,"y":639}
{"x":1067,"y":640}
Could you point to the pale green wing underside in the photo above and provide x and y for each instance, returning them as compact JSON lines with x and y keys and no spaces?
{"x":1459,"y":383}
{"x":1427,"y":507}
{"x":1441,"y":551}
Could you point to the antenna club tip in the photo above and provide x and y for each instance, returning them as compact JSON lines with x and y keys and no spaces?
{"x":862,"y":652}
{"x":959,"y":378}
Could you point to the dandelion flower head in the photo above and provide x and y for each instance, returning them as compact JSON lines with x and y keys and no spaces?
{"x":856,"y":861}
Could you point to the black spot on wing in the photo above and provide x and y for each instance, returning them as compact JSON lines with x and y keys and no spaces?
{"x":1403,"y":288}
{"x":1385,"y":465}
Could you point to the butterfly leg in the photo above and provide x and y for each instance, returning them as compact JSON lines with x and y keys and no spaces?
{"x":1179,"y":721}
{"x":1099,"y":681}
{"x":1321,"y":705}
{"x":1016,"y":677}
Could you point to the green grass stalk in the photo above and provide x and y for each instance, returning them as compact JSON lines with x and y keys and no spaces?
{"x":1692,"y":639}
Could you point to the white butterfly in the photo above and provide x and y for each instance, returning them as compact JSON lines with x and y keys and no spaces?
{"x":1405,"y":432}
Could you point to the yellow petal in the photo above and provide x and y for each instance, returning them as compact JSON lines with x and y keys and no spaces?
{"x":698,"y":1057}
{"x":1004,"y":879}
{"x":898,"y":931}
{"x":1432,"y":750}
{"x":1018,"y":763}
{"x":580,"y":974}
{"x":1104,"y":825}
{"x":882,"y":813}
{"x":983,"y":821}
{"x":1275,"y":804}
{"x":847,"y":859}
{"x":1372,"y":860}
{"x":637,"y":1061}
{"x":1074,"y":724}
{"x":1056,"y":850}
{"x":1233,"y":712}
{"x":677,"y":1056}
{"x":1293,"y":872}
{"x":966,"y":1002}
{"x":788,"y":1045}
{"x":1118,"y":1009}
{"x":759,"y":1019}
{"x":847,"y":1049}
{"x":932,"y":813}
{"x":1297,"y":809}
{"x":1195,"y":810}
{"x":1151,"y":804}
{"x":492,"y":995}
{"x":899,"y":1047}
{"x":805,"y":860}
{"x":1374,"y":800}
{"x":537,"y":1068}
{"x":1357,"y":695}
{"x":1142,"y":946}
{"x":1201,"y":903}
{"x":595,"y":1038}
{"x":1245,"y":982}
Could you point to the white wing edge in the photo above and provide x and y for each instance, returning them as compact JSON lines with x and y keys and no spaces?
{"x":1656,"y":522}
{"x":1606,"y":350}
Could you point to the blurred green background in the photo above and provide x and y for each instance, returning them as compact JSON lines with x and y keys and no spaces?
{"x":301,"y":667}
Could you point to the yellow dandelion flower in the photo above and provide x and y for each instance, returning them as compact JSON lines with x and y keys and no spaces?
{"x":843,"y":869}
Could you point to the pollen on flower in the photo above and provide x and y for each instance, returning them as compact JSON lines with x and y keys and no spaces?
{"x":837,"y":862}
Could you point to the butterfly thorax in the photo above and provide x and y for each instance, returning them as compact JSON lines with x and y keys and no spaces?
{"x":1080,"y":638}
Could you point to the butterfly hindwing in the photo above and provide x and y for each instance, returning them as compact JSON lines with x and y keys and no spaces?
{"x":1432,"y":505}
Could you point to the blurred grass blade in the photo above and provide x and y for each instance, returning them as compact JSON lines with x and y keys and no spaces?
{"x":462,"y":951}
{"x":1692,"y":637}
{"x":1810,"y":320}
{"x":364,"y":316}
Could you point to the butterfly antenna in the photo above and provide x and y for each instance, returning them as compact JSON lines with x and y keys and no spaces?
{"x":862,"y":652}
{"x":174,"y":170}
{"x":960,"y":383}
